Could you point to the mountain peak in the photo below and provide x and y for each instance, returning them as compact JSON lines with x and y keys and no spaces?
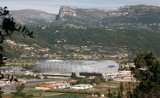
{"x":67,"y":10}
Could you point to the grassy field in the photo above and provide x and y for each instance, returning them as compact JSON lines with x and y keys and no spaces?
{"x":103,"y":88}
{"x":67,"y":96}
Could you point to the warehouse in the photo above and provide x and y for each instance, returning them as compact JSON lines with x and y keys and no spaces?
{"x":66,"y":67}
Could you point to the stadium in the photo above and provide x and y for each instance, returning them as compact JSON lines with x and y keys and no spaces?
{"x":62,"y":67}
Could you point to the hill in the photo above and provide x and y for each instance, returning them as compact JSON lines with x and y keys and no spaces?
{"x":88,"y":33}
{"x":91,"y":43}
{"x":30,"y":16}
{"x":132,"y":16}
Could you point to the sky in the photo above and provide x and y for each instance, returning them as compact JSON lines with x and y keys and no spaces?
{"x":53,"y":6}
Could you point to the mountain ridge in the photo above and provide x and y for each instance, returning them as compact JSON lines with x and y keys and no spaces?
{"x":90,"y":17}
{"x":93,"y":33}
{"x":27,"y":16}
{"x":142,"y":14}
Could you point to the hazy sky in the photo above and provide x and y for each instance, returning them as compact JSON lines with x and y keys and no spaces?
{"x":52,"y":6}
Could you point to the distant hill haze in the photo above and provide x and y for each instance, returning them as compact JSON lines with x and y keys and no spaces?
{"x":31,"y":16}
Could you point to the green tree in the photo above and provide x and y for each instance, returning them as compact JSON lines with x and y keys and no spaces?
{"x":7,"y":28}
{"x":73,"y":75}
{"x":121,"y":89}
{"x":98,"y":80}
{"x":110,"y":95}
{"x":147,"y":72}
{"x":19,"y":89}
{"x":83,"y":81}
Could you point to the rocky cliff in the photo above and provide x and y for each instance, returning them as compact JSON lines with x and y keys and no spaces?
{"x":67,"y":10}
{"x":126,"y":15}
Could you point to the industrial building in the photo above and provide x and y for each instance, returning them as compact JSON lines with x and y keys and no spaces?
{"x":81,"y":86}
{"x":66,"y":67}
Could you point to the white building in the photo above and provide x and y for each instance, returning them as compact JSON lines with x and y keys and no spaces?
{"x":81,"y":86}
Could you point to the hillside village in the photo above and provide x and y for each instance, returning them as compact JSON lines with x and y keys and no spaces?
{"x":82,"y":52}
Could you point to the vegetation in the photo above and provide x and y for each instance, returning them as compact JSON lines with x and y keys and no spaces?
{"x":73,"y":75}
{"x":98,"y":41}
{"x":67,"y":96}
{"x":19,"y":89}
{"x":147,"y":72}
{"x":7,"y":28}
{"x":96,"y":80}
{"x":132,"y":39}
{"x":118,"y":34}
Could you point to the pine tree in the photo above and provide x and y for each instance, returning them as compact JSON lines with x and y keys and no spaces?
{"x":147,"y":72}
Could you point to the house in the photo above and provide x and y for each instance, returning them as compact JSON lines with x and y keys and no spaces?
{"x":54,"y":85}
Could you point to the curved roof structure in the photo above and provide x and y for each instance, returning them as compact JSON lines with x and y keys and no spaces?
{"x":69,"y":66}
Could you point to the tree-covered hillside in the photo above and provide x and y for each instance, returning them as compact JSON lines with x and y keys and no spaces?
{"x":70,"y":41}
{"x":88,"y":33}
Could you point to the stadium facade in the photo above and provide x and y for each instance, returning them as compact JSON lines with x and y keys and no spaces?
{"x":68,"y":66}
